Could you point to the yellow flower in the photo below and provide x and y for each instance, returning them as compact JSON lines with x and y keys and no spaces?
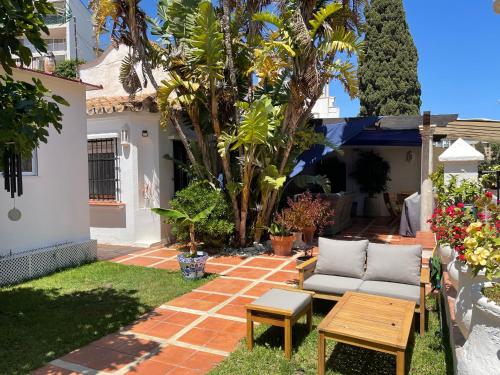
{"x":470,"y":242}
{"x":474,"y":227}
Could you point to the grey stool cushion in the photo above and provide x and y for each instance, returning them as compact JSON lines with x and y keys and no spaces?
{"x":394,"y":263}
{"x":284,"y":299}
{"x":341,"y":258}
{"x":394,"y":290}
{"x":331,"y":284}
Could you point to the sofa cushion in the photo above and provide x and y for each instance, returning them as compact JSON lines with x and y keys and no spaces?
{"x":394,"y":263}
{"x":394,"y":290}
{"x":294,"y":301}
{"x":341,"y":258}
{"x":331,"y":284}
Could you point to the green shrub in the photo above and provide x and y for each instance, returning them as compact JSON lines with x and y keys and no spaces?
{"x":215,"y":230}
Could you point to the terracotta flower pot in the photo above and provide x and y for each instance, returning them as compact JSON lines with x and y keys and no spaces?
{"x":308,"y":234}
{"x":282,"y":245}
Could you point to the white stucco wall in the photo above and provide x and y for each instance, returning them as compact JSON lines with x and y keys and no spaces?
{"x":405,"y":176}
{"x":105,"y":71}
{"x":54,"y":205}
{"x":84,"y":32}
{"x":146,"y":180}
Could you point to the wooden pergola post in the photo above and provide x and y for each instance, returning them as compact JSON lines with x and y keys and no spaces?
{"x":426,"y":165}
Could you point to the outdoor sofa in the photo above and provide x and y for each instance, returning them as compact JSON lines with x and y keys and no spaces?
{"x":387,"y":270}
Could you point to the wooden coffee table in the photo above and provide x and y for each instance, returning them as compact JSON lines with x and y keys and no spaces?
{"x":368,"y":321}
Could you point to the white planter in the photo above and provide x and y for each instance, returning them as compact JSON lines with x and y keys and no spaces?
{"x":468,"y":293}
{"x":446,"y":253}
{"x":453,"y":272}
{"x":480,"y":353}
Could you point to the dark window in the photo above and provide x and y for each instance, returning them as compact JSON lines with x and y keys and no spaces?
{"x":103,"y":169}
{"x":181,"y":178}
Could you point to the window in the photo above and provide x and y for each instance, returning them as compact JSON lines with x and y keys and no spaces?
{"x":28,"y":166}
{"x":103,"y":169}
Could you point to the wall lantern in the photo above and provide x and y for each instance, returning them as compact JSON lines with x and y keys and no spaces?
{"x":145,"y":133}
{"x":409,"y":156}
{"x":496,"y":6}
{"x":125,"y":136}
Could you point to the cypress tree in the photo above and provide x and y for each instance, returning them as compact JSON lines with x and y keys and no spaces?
{"x":388,"y":77}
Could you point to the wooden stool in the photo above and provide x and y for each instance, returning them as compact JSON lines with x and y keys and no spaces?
{"x":282,"y":308}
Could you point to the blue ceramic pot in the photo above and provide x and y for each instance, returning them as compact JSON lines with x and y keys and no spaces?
{"x":192,"y":267}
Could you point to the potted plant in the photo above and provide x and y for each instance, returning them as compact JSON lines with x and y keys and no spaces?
{"x":281,"y":238}
{"x":371,"y":172}
{"x":307,"y":214}
{"x":192,"y":264}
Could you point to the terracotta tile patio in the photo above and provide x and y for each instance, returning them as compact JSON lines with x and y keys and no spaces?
{"x":193,"y":333}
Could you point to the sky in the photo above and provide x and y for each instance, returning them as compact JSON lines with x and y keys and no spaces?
{"x":458,"y":43}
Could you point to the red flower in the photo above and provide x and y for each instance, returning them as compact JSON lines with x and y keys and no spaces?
{"x":460,"y":205}
{"x":489,"y":194}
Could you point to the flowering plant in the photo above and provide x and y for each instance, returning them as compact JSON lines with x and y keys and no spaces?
{"x":306,"y":211}
{"x":482,"y":249}
{"x":449,"y":224}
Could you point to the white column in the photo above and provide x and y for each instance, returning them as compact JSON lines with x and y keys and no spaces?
{"x":426,"y":132}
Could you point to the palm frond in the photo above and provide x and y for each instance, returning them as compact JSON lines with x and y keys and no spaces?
{"x":340,"y":40}
{"x":128,"y":76}
{"x":268,"y":17}
{"x":322,"y":15}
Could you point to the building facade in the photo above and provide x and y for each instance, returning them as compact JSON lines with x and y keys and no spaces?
{"x":71,"y":34}
{"x":128,"y":150}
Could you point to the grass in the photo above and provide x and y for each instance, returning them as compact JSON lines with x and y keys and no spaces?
{"x":493,"y":292}
{"x":429,"y":355}
{"x":43,"y":319}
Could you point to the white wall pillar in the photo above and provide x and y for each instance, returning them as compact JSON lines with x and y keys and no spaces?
{"x":426,"y":165}
{"x":461,"y":160}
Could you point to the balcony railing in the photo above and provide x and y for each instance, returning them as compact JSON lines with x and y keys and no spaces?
{"x":55,"y":19}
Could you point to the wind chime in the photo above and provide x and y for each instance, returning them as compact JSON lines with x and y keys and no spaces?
{"x":13,"y":179}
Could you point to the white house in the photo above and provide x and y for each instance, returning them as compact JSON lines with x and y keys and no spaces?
{"x":53,"y":230}
{"x":128,"y":171}
{"x":71,"y":34}
{"x":325,"y":107}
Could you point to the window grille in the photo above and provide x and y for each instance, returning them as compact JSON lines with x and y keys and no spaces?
{"x":103,"y":169}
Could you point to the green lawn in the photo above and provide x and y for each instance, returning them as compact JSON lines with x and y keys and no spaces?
{"x":43,"y":319}
{"x":428,"y":355}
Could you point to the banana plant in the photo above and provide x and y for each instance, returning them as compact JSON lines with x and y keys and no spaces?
{"x":182,"y":218}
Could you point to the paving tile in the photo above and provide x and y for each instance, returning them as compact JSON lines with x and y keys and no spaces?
{"x":269,"y":263}
{"x":151,"y":367}
{"x":223,"y":285}
{"x":122,"y":257}
{"x":259,"y":289}
{"x":204,"y":362}
{"x":127,"y":344}
{"x":248,"y":273}
{"x":53,"y":370}
{"x":222,"y":325}
{"x":98,"y":358}
{"x":225,"y":341}
{"x":231,"y":260}
{"x":236,"y":307}
{"x":141,"y":261}
{"x":292,"y":266}
{"x":185,"y":371}
{"x":198,"y":301}
{"x":283,"y":277}
{"x":164,"y":253}
{"x":216,"y":268}
{"x":164,"y":330}
{"x":174,"y":355}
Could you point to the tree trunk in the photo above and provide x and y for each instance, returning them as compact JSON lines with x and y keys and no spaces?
{"x":192,"y":238}
{"x":225,"y":159}
{"x":187,"y":147}
{"x":229,"y":54}
{"x":194,"y":115}
{"x":245,"y":195}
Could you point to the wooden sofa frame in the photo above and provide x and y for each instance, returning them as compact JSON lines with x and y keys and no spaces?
{"x":306,"y":269}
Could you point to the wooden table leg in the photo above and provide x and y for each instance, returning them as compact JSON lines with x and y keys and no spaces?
{"x":249,"y":330}
{"x":400,"y":362}
{"x":309,"y":317}
{"x":288,"y":338}
{"x":321,"y":354}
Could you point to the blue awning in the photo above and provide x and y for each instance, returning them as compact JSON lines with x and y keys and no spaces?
{"x":337,"y":134}
{"x":382,"y":137}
